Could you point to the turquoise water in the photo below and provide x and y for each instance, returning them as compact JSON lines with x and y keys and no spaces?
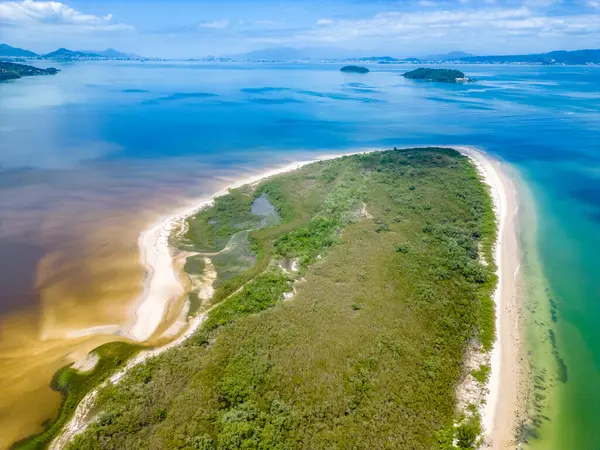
{"x":127,"y":132}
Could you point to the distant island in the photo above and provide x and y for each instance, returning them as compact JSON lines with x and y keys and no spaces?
{"x":13,"y":71}
{"x":440,"y":75}
{"x":355,"y":69}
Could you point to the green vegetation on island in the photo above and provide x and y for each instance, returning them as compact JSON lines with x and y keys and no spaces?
{"x":388,"y":256}
{"x":441,"y":75}
{"x":355,"y":69}
{"x":73,"y":385}
{"x":13,"y":71}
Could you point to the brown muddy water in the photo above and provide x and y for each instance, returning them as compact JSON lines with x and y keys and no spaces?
{"x":70,"y":273}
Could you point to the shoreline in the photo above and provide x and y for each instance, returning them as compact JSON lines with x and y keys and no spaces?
{"x":154,"y":241}
{"x":503,"y":402}
{"x":163,"y":286}
{"x":162,"y":280}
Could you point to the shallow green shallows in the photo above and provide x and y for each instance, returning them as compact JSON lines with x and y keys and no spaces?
{"x":563,"y":307}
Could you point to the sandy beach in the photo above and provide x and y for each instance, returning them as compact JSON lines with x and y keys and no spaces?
{"x":163,"y":287}
{"x":504,"y":401}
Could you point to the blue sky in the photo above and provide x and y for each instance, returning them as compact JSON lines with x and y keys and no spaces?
{"x":399,"y":28}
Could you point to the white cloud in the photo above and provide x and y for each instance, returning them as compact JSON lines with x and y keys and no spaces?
{"x":464,"y":25}
{"x":594,"y":4}
{"x":324,"y":22}
{"x":216,"y":24}
{"x":54,"y":14}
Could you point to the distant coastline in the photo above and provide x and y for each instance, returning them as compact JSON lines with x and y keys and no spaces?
{"x":290,"y":55}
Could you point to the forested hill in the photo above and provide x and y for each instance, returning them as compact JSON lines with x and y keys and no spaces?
{"x":12,"y":71}
{"x":441,"y":75}
{"x":15,"y":52}
{"x":342,"y":323}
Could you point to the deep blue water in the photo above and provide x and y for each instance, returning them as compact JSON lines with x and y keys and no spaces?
{"x":135,"y":128}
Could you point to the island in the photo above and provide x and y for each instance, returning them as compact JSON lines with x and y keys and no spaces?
{"x":354,"y":69}
{"x":13,"y":71}
{"x":323,"y":299}
{"x":440,"y":75}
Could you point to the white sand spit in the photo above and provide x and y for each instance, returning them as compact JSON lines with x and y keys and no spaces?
{"x":162,"y":286}
{"x":500,"y":412}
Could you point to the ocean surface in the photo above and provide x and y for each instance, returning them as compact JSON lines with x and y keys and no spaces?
{"x":91,"y":156}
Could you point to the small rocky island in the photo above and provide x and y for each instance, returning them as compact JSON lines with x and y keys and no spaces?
{"x":13,"y":71}
{"x":440,"y":75}
{"x":355,"y":69}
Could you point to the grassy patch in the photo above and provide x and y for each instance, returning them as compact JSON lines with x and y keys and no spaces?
{"x":261,"y":293}
{"x":482,"y":374}
{"x":306,"y":242}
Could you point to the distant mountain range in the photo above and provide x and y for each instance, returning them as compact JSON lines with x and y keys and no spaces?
{"x":63,"y":53}
{"x":15,"y":52}
{"x":332,"y":53}
{"x":451,"y":56}
{"x":557,"y":57}
{"x":6,"y":51}
{"x":111,"y":53}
